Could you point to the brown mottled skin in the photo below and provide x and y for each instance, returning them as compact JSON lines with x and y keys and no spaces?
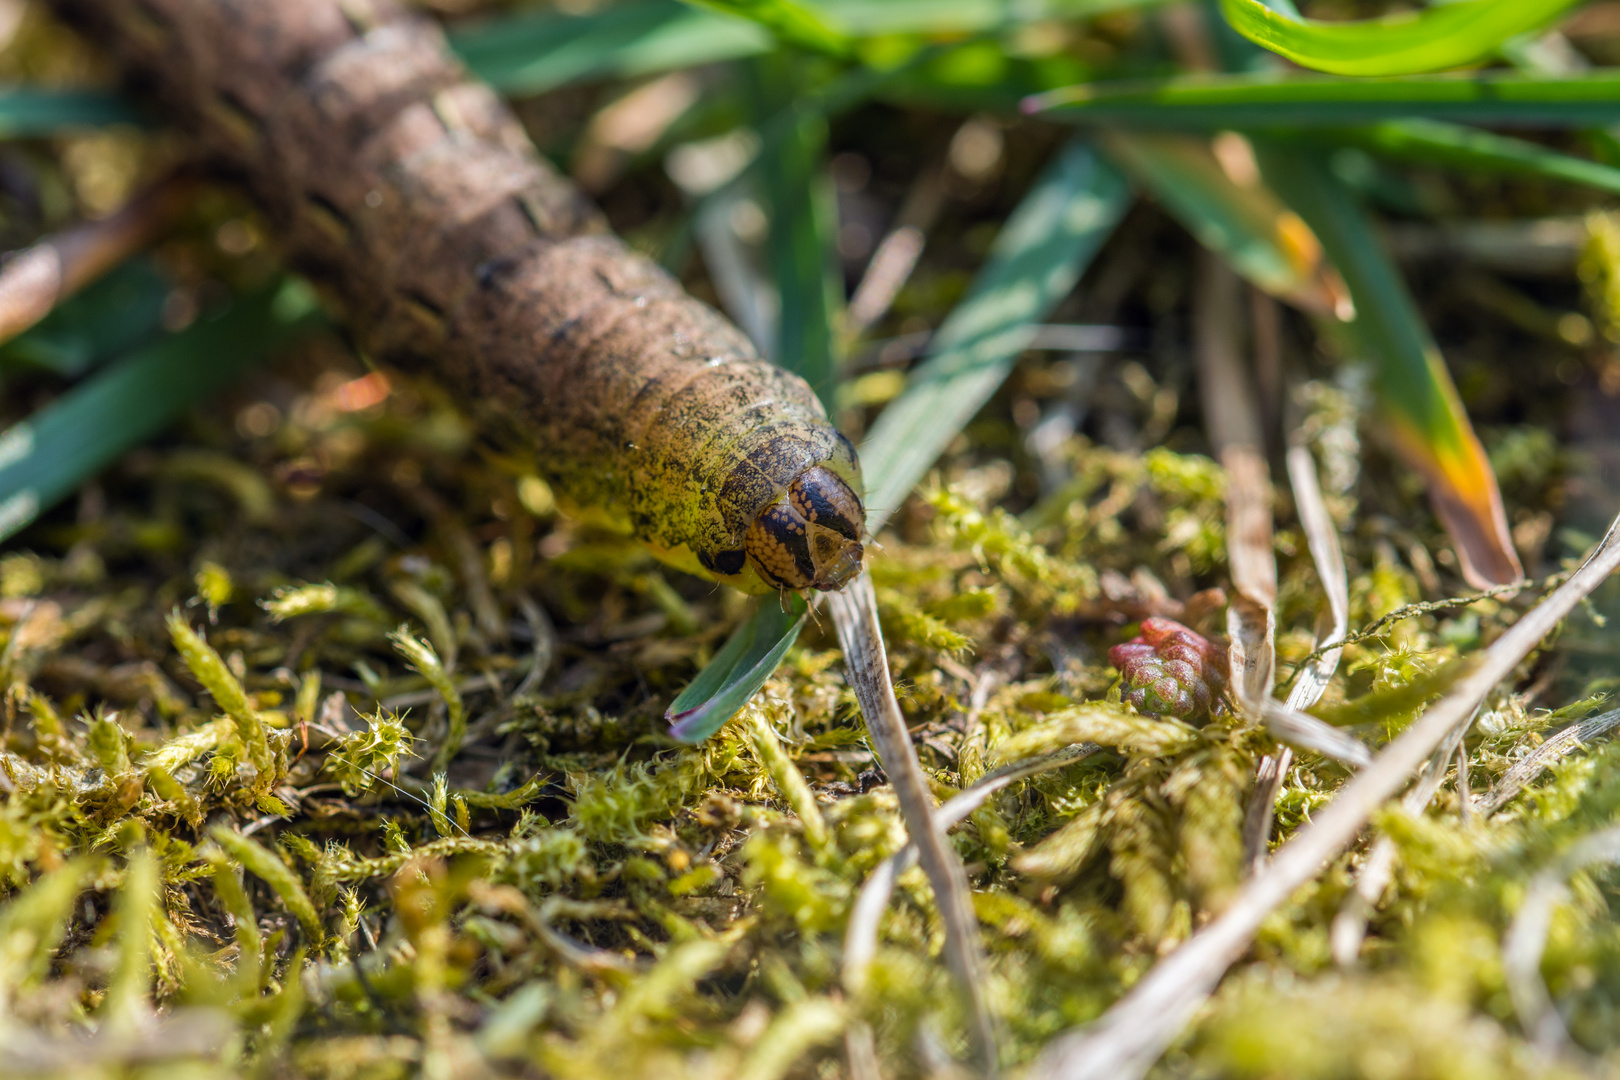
{"x":409,"y":194}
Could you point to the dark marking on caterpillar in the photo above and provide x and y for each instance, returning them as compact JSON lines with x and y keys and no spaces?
{"x":724,"y":563}
{"x":533,"y":212}
{"x":811,"y":537}
{"x":147,"y":23}
{"x":327,"y":217}
{"x":235,"y":119}
{"x":425,"y":312}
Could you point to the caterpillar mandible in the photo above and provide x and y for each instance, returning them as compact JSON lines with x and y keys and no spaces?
{"x":410,"y":195}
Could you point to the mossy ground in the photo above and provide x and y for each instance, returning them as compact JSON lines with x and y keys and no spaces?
{"x":575,"y":894}
{"x":331,"y":750}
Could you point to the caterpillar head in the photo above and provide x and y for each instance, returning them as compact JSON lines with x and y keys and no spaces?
{"x":810,"y":538}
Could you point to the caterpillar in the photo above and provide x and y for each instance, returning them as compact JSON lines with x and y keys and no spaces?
{"x":408,"y":193}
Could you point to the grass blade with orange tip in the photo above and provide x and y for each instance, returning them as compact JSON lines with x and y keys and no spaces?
{"x":1423,"y":416}
{"x":1244,"y":221}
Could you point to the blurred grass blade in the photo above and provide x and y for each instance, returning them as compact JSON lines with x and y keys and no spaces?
{"x":1272,"y":100}
{"x":799,"y":207}
{"x":1246,"y":223}
{"x":533,"y":53}
{"x":1422,"y":411}
{"x":46,"y":457}
{"x":109,"y":317}
{"x":738,"y":670}
{"x":1040,"y":254}
{"x":1439,"y":37}
{"x":873,"y":18}
{"x":792,"y":23}
{"x":530,"y":53}
{"x":1471,"y":150}
{"x":26,"y":113}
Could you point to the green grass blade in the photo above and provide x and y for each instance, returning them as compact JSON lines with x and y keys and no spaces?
{"x":1248,"y":225}
{"x":890,"y":17}
{"x":110,"y":317}
{"x":1036,"y":260}
{"x":43,"y":459}
{"x":1275,"y":100}
{"x":1439,"y":37}
{"x":1471,"y":150}
{"x":737,"y":671}
{"x":533,"y":53}
{"x":799,"y":207}
{"x":45,"y":112}
{"x":978,"y":74}
{"x":1422,"y":412}
{"x":866,"y":18}
{"x":790,"y":22}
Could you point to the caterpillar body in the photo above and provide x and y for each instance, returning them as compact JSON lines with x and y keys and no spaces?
{"x":410,"y":195}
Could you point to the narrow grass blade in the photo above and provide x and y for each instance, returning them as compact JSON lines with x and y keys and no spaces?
{"x":533,"y":53}
{"x":791,"y":22}
{"x":1544,"y":757}
{"x":1263,"y":240}
{"x":977,"y":74}
{"x":738,"y":670}
{"x":939,"y":17}
{"x":1271,"y":100}
{"x":1473,"y":151}
{"x":45,"y":112}
{"x":46,"y":457}
{"x":1040,"y":254}
{"x":1422,"y":412}
{"x":1439,"y":37}
{"x":111,"y":316}
{"x":799,"y":207}
{"x":37,"y":278}
{"x":855,"y":617}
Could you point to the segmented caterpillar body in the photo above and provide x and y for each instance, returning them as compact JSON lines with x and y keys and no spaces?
{"x":410,"y":195}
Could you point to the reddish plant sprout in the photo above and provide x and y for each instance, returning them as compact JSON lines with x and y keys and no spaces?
{"x":1168,"y":670}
